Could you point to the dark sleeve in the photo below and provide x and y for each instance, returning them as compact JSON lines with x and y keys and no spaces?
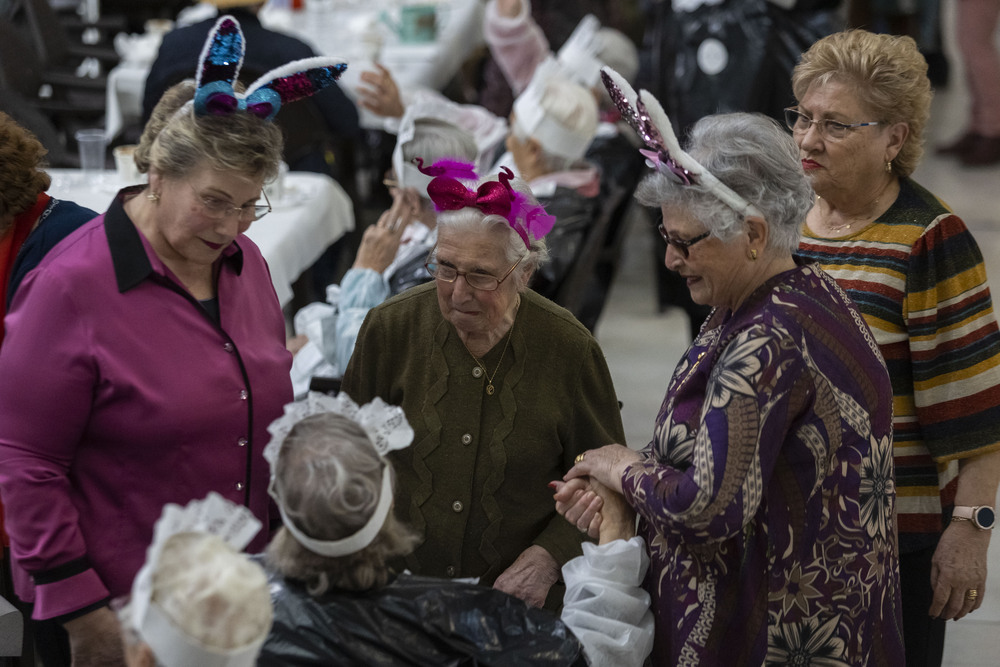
{"x":63,"y":220}
{"x":360,"y":375}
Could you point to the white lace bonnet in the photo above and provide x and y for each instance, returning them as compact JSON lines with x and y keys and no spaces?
{"x":388,"y":430}
{"x":171,"y":646}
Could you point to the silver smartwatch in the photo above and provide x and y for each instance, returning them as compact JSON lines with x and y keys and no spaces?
{"x":982,"y":517}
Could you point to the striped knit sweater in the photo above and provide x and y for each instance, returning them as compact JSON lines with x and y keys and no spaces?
{"x":918,"y":277}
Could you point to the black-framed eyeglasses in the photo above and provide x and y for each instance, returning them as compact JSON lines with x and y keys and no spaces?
{"x":834,"y":130}
{"x":480,"y":281}
{"x":680,"y":245}
{"x":220,"y":208}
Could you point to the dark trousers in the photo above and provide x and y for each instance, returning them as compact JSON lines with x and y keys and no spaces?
{"x":923,"y":636}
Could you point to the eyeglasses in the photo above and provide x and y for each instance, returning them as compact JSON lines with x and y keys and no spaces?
{"x":679,"y":245}
{"x":834,"y":130}
{"x":480,"y":281}
{"x":220,"y":208}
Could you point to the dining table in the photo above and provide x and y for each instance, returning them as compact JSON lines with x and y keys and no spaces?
{"x":309,"y":212}
{"x":362,"y":33}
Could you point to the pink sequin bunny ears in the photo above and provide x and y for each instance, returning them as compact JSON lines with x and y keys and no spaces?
{"x":530,"y":221}
{"x":644,"y":113}
{"x":219,"y":65}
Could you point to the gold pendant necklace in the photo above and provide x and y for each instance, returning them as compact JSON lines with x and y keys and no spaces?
{"x":489,"y":378}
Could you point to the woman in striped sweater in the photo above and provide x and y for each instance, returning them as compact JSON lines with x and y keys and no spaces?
{"x":917,"y":275}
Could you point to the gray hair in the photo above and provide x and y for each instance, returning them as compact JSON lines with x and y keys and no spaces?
{"x":754,"y":156}
{"x":212,"y":593}
{"x":473,"y":220}
{"x":329,"y":477}
{"x":435,"y":139}
{"x":175,"y":141}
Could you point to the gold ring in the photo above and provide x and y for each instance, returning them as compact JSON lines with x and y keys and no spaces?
{"x":971,"y":594}
{"x":580,"y":457}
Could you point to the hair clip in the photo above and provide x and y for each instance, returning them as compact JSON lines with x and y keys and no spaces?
{"x":220,"y":63}
{"x":492,"y":197}
{"x":644,"y":113}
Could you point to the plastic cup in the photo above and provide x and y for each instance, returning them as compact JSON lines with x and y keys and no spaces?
{"x":125,"y":163}
{"x":91,"y":145}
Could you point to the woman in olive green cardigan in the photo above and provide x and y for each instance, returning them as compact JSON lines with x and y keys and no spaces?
{"x":502,"y":387}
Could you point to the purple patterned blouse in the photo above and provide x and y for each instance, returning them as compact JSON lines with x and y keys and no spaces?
{"x":766,"y":496}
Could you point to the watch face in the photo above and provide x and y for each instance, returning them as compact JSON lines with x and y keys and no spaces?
{"x":985,"y":517}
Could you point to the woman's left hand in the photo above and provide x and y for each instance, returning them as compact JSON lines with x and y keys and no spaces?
{"x":959,"y":565}
{"x":530,"y":576}
{"x":607,"y":465}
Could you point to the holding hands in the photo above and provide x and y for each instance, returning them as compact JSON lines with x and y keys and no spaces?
{"x":591,"y":497}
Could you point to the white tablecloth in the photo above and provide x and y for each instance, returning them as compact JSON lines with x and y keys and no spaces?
{"x":357,"y":34}
{"x":313,"y":212}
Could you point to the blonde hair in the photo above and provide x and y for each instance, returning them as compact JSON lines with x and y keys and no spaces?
{"x":21,"y":159}
{"x":886,"y":72}
{"x":175,"y":141}
{"x":210,"y":592}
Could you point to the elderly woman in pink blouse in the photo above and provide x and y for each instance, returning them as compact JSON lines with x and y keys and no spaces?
{"x":145,"y":355}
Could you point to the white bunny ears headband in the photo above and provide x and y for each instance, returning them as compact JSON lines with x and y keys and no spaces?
{"x":644,"y":113}
{"x":388,"y":430}
{"x":214,"y":515}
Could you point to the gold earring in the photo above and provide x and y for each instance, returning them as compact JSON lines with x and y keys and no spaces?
{"x":753,"y":254}
{"x":153,"y":197}
{"x":888,"y":167}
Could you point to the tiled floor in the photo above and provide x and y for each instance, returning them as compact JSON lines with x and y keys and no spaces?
{"x":643,"y":346}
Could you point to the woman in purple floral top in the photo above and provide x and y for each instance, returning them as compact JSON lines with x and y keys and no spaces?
{"x":766,"y":495}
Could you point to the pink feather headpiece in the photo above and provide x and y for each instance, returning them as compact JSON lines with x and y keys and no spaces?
{"x":530,"y":221}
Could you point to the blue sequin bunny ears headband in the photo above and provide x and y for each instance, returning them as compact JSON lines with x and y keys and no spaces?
{"x":644,"y":113}
{"x":219,"y":65}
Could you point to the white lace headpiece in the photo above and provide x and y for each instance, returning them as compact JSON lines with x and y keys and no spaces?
{"x":388,"y":430}
{"x":234,"y":524}
{"x":578,"y":55}
{"x":532,"y":120}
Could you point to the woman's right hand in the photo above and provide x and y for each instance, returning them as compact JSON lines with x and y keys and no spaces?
{"x":95,"y":639}
{"x":606,"y":464}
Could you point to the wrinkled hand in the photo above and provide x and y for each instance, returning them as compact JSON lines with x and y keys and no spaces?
{"x":959,"y":565}
{"x":508,"y":8}
{"x":380,"y":94}
{"x":606,"y":465}
{"x":594,"y":509}
{"x":380,"y":241}
{"x":530,"y":576}
{"x":296,"y":343}
{"x":95,"y":639}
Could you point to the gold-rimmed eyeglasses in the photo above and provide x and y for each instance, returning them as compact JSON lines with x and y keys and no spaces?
{"x":834,"y":130}
{"x":479,"y":281}
{"x":220,"y":208}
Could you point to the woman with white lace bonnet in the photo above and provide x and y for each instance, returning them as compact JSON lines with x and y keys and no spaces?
{"x":198,"y":600}
{"x":336,"y":599}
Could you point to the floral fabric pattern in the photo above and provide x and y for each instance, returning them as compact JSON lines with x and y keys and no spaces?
{"x":767,"y":496}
